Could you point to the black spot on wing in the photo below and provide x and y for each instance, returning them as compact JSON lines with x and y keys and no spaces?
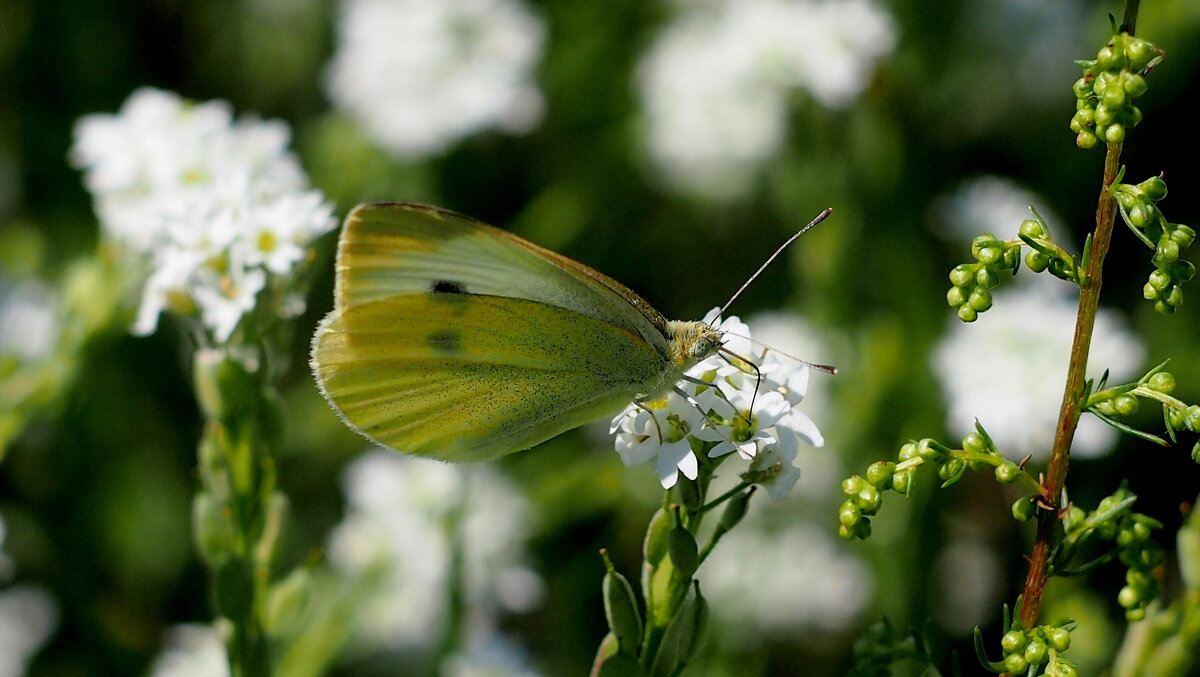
{"x":448,"y":287}
{"x":446,"y":342}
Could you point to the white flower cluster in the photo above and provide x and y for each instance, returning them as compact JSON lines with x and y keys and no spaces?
{"x":663,"y":431}
{"x":715,"y":85}
{"x":1007,"y":369}
{"x":212,"y":204}
{"x":400,"y":529}
{"x":419,"y":75}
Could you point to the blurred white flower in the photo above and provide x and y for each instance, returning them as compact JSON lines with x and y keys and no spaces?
{"x":28,"y":617}
{"x":988,"y":204}
{"x":663,"y":431}
{"x":770,"y":579}
{"x":400,"y":528}
{"x":714,"y":86}
{"x":1008,"y":368}
{"x":419,"y":75}
{"x":972,"y":599}
{"x":496,"y":658}
{"x":29,"y":318}
{"x":209,"y":204}
{"x":192,"y":650}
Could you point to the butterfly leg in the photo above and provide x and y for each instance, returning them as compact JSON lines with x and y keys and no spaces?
{"x":638,"y":403}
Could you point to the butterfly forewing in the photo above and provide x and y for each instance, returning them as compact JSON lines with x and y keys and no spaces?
{"x":392,"y":249}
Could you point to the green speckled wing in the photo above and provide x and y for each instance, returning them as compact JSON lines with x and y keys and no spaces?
{"x":463,"y":377}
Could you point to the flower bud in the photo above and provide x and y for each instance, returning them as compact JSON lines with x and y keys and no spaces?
{"x":979,"y":300}
{"x":1183,"y":235}
{"x":1104,"y":117}
{"x":1082,"y":89}
{"x":1007,"y":472}
{"x":1013,"y":641}
{"x":1015,"y":662}
{"x":1125,"y":404}
{"x":287,"y":601}
{"x":1023,"y":509}
{"x":955,"y":297}
{"x":869,"y":500}
{"x":735,"y":510}
{"x":986,"y":278}
{"x":1059,"y":638}
{"x":1154,"y":188}
{"x":1114,"y":97}
{"x":1140,"y":215}
{"x":1036,"y":652}
{"x":902,"y":481}
{"x":1036,"y":261}
{"x":1166,"y":253}
{"x":849,"y":515}
{"x":1114,"y":133}
{"x":1139,"y":52}
{"x":655,"y":546}
{"x":967,"y":314}
{"x":1085,"y":140}
{"x":853,"y":484}
{"x":1109,"y":58}
{"x":974,"y":443}
{"x":1032,"y":229}
{"x":684,"y":554}
{"x":621,"y":609}
{"x":1162,"y":382}
{"x":962,"y":274}
{"x":1133,"y":84}
{"x":879,"y":474}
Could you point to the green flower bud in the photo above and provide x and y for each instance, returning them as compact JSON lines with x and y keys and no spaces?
{"x":927,"y":451}
{"x":681,"y":546}
{"x":979,"y":300}
{"x":1074,"y":518}
{"x":1133,"y":84}
{"x":989,"y":255}
{"x":986,"y":278}
{"x":1104,"y":117}
{"x":1140,"y":215}
{"x":879,"y":474}
{"x":1012,"y":258}
{"x":621,"y":609}
{"x":1154,"y":187}
{"x":908,"y":450}
{"x":1139,"y":52}
{"x":1162,"y":382}
{"x":1086,"y":117}
{"x":869,"y":500}
{"x":1015,"y":662}
{"x":1105,"y":407}
{"x":1114,"y":133}
{"x":1149,"y":292}
{"x":1132,"y":116}
{"x":1176,"y":418}
{"x":951,"y":468}
{"x":962,"y":274}
{"x":1128,"y":196}
{"x":1036,"y":261}
{"x":1193,"y":418}
{"x":287,"y":601}
{"x":1183,"y":236}
{"x":1125,"y":405}
{"x":1032,"y":229}
{"x":1013,"y":641}
{"x":1036,"y":652}
{"x":974,"y":443}
{"x":1128,"y":597}
{"x":955,"y":297}
{"x":849,"y":515}
{"x":1059,"y":638}
{"x":1076,"y":125}
{"x":1085,"y":140}
{"x":1113,"y":98}
{"x":967,"y":314}
{"x":1064,"y":669}
{"x":735,"y":510}
{"x":1174,"y":297}
{"x":1159,"y":279}
{"x":1007,"y":472}
{"x":1135,"y":615}
{"x":847,"y":533}
{"x":1166,"y":253}
{"x":1082,"y":88}
{"x":689,"y":494}
{"x":902,"y":481}
{"x":853,"y":484}
{"x":1162,"y":307}
{"x":1023,"y":509}
{"x":1109,"y":58}
{"x":655,"y":546}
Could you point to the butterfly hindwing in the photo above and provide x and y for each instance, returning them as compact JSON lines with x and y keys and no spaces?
{"x":459,"y":376}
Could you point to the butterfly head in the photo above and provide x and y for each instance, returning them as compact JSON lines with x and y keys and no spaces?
{"x":692,"y":342}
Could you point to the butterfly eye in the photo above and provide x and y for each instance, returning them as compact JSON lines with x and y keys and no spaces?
{"x":701,"y":348}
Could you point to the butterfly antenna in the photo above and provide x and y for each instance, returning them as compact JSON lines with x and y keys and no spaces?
{"x":820,"y":217}
{"x":757,"y":374}
{"x":824,"y":368}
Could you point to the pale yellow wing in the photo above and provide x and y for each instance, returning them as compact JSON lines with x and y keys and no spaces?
{"x":390,"y":249}
{"x":468,"y":377}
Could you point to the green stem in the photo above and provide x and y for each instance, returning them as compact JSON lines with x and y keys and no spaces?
{"x":1070,"y":410}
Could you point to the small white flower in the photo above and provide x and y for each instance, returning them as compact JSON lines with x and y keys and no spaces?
{"x":756,"y":418}
{"x":714,"y":86}
{"x":418,"y":75}
{"x":1007,"y":369}
{"x":208,"y":205}
{"x":397,"y":530}
{"x":988,"y":204}
{"x":192,"y":650}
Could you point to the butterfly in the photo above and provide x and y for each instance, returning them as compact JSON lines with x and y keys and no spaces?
{"x":452,"y":339}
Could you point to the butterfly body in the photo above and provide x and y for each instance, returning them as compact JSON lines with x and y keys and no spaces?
{"x":459,"y":341}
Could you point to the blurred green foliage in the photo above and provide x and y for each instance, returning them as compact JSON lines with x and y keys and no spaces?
{"x":95,"y":491}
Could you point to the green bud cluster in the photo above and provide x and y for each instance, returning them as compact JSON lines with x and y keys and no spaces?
{"x":864,"y":493}
{"x":1104,"y":95}
{"x":1168,"y":240}
{"x":1037,"y":651}
{"x":1131,"y":532}
{"x":971,"y":283}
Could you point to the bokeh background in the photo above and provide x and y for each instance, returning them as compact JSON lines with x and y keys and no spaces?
{"x":671,"y":145}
